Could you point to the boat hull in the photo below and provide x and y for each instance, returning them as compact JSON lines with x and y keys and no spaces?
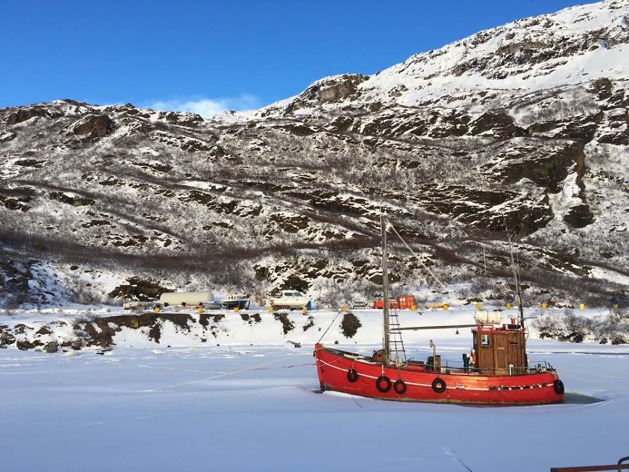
{"x":241,"y":304}
{"x":357,"y":375}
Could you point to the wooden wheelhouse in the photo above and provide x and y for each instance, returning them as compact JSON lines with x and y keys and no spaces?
{"x":500,"y":350}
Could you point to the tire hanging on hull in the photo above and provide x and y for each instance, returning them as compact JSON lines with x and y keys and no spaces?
{"x":383,"y":384}
{"x":352,"y":375}
{"x":439,"y":385}
{"x":399,"y":386}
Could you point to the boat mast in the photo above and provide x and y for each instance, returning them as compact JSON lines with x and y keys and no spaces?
{"x":518,"y":291}
{"x":518,"y":287}
{"x":385,"y":290}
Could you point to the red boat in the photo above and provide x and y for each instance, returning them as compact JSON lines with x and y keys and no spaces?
{"x":497,"y":372}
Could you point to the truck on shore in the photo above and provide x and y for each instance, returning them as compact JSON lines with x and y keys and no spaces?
{"x":186,"y":298}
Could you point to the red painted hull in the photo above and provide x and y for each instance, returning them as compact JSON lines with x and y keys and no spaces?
{"x":355,"y":374}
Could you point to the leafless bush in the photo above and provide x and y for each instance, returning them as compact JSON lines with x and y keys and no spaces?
{"x":350,"y":325}
{"x":82,"y":292}
{"x":85,"y":318}
{"x":549,"y":326}
{"x":576,"y":328}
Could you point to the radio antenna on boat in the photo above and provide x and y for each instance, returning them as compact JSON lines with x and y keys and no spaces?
{"x":518,"y":289}
{"x":516,"y":275}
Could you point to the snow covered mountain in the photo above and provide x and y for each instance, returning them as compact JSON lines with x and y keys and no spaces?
{"x":521,"y":129}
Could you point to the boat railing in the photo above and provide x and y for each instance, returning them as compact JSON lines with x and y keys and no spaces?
{"x":447,"y":367}
{"x":541,"y":367}
{"x":589,"y":468}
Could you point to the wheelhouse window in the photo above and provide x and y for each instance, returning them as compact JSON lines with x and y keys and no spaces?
{"x":484,"y":340}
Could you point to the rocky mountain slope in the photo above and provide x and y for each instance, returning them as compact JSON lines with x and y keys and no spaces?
{"x":520,"y":130}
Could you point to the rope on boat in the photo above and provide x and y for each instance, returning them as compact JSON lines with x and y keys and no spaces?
{"x":328,"y":328}
{"x":213,"y":377}
{"x":443,"y":287}
{"x":455,"y":455}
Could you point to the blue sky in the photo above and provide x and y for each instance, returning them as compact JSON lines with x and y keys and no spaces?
{"x":205,"y":56}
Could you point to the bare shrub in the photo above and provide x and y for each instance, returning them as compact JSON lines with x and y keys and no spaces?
{"x":549,"y":327}
{"x":614,"y":329}
{"x":350,"y":325}
{"x":85,"y":318}
{"x":577,"y":327}
{"x":82,"y":292}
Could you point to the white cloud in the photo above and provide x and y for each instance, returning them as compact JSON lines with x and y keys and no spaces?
{"x":207,"y":107}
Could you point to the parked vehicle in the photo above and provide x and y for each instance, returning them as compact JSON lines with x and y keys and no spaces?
{"x":236,"y":301}
{"x":186,"y":298}
{"x":291,"y":300}
{"x":132,"y":305}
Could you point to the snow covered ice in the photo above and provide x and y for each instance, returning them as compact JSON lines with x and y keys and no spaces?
{"x":244,"y":407}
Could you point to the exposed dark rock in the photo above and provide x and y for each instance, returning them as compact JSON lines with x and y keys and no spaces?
{"x":309,"y":324}
{"x":6,"y":137}
{"x":287,"y":324}
{"x":14,"y":203}
{"x":603,"y":87}
{"x":70,"y":200}
{"x":95,"y":126}
{"x":255,"y":318}
{"x":139,"y":289}
{"x":334,"y":89}
{"x":24,"y":114}
{"x":579,"y":216}
{"x":51,"y":347}
{"x":499,"y":124}
{"x":5,"y":339}
{"x":44,"y":330}
{"x":24,"y":345}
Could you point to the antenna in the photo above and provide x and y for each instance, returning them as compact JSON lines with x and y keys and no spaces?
{"x":518,"y":290}
{"x":516,"y":278}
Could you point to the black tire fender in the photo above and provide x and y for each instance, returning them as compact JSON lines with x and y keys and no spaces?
{"x":400,"y":387}
{"x":439,"y":385}
{"x":559,"y":387}
{"x":352,"y":375}
{"x":383,"y":384}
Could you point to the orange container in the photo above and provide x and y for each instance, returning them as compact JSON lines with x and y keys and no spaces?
{"x":379,"y":304}
{"x":406,"y":302}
